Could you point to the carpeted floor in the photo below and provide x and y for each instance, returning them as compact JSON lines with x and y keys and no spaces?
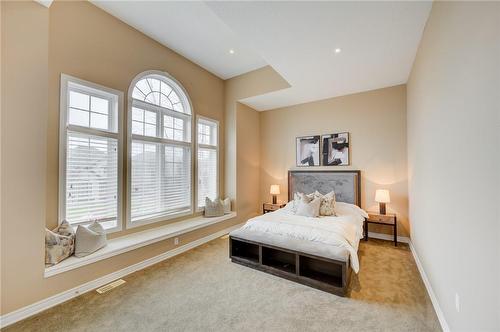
{"x":201,"y":290}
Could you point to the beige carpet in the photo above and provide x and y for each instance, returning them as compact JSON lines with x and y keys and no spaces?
{"x":202,"y":290}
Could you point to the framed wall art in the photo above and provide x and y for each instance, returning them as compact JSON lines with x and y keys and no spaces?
{"x":335,"y":149}
{"x":308,"y":151}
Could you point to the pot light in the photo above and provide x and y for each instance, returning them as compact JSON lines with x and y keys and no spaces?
{"x":231,"y":51}
{"x":338,"y":50}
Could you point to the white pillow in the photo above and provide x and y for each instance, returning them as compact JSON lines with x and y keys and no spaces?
{"x":226,"y":204}
{"x":307,"y":208}
{"x":89,"y":239}
{"x":342,"y":208}
{"x":296,"y":199}
{"x":213,"y":208}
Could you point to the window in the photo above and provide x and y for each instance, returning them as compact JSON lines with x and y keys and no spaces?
{"x":208,"y":156}
{"x":160,"y":150}
{"x":90,"y":153}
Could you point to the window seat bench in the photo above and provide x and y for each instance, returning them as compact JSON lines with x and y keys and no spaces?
{"x":137,"y":240}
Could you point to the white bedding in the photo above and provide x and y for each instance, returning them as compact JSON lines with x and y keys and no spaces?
{"x":343,"y":231}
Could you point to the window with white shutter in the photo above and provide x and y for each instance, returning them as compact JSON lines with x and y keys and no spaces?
{"x":90,"y":153}
{"x":160,"y":184}
{"x":208,"y":156}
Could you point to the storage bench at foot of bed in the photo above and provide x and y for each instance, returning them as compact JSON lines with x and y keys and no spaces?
{"x":322,"y":273}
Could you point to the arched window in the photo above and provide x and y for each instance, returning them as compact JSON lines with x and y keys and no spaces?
{"x":160,"y":185}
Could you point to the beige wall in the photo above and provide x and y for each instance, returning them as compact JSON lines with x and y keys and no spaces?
{"x":24,"y":131}
{"x":38,"y":44}
{"x":243,"y":139}
{"x":454,"y":162}
{"x":248,"y":158}
{"x":376,"y":121}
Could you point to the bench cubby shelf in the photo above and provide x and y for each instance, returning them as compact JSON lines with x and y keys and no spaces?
{"x":322,"y":273}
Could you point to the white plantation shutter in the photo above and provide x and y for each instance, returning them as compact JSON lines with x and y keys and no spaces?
{"x":160,"y":162}
{"x":91,"y":178}
{"x":207,"y":131}
{"x":161,"y":180}
{"x":90,"y":163}
{"x":207,"y":175}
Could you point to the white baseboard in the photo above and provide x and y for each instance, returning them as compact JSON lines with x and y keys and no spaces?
{"x":388,"y":237}
{"x":32,"y":309}
{"x":435,"y":303}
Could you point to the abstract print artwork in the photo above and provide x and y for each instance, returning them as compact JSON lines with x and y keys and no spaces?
{"x":336,"y":149}
{"x":308,"y":151}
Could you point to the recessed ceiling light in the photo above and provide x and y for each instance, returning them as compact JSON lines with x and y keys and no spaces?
{"x":231,"y":51}
{"x":338,"y":50}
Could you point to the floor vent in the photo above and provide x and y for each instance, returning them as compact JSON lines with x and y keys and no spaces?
{"x":110,"y":286}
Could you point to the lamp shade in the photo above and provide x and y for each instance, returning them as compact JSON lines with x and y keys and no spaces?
{"x":275,"y":189}
{"x":382,"y":196}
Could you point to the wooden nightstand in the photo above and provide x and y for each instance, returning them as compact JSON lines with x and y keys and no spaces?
{"x":382,"y":219}
{"x":270,"y":207}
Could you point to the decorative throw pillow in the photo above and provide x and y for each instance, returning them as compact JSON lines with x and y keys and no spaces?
{"x":297,"y":197}
{"x":89,"y":239}
{"x":64,"y":229}
{"x":327,"y":207}
{"x":213,"y":208}
{"x":309,"y":208}
{"x":59,"y":243}
{"x":226,"y":204}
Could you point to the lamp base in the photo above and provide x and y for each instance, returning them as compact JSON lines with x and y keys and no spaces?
{"x":382,"y":208}
{"x":275,"y":200}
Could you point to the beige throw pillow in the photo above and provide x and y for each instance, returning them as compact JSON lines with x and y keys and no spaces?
{"x":89,"y":239}
{"x":59,"y":243}
{"x":327,"y":207}
{"x":213,"y":208}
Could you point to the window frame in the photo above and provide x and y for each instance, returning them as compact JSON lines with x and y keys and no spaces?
{"x":132,"y":102}
{"x":207,"y":146}
{"x":97,"y":90}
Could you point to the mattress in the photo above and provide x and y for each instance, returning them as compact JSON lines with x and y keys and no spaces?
{"x":335,"y":237}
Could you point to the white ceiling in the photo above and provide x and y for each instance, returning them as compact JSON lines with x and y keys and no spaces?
{"x":378,"y":41}
{"x":192,"y":30}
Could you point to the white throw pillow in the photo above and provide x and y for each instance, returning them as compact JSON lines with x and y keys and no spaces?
{"x":309,"y":208}
{"x":213,"y":208}
{"x":226,"y":204}
{"x":296,"y":199}
{"x":89,"y":239}
{"x":342,"y":209}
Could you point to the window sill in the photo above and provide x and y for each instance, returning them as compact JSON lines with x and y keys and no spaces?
{"x":134,"y":241}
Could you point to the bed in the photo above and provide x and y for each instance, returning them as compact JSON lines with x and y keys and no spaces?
{"x":318,"y":252}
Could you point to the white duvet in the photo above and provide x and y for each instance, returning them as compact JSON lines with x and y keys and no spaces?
{"x":343,"y":231}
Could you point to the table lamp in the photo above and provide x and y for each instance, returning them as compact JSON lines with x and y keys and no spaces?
{"x":382,"y":196}
{"x":275,"y":190}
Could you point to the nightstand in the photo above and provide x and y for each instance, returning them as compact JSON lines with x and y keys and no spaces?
{"x":382,"y":219}
{"x":270,"y":207}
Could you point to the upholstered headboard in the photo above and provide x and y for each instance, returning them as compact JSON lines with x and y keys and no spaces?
{"x":346,"y":184}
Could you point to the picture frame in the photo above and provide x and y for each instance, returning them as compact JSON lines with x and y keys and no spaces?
{"x":336,"y":149}
{"x":307,"y":151}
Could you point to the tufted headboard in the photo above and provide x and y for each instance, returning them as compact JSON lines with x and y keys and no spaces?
{"x":346,"y":184}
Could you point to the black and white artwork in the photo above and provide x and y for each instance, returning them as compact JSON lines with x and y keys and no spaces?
{"x":336,"y":149}
{"x":308,"y":151}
